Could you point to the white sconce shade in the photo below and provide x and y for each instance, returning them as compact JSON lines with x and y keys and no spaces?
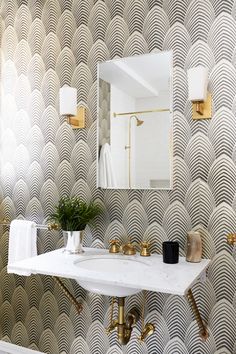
{"x":197,"y":83}
{"x":68,"y":101}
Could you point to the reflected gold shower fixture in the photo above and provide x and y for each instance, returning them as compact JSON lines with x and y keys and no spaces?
{"x":138,"y":121}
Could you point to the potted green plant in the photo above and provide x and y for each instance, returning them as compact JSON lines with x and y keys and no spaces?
{"x":72,"y":215}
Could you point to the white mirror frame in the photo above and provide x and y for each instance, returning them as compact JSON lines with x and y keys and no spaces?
{"x":171,"y":152}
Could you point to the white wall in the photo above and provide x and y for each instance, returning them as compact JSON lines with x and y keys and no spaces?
{"x":152,"y":151}
{"x":120,"y":102}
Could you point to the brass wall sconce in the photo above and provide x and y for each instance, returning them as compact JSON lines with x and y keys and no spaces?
{"x":68,"y":107}
{"x":198,"y":94}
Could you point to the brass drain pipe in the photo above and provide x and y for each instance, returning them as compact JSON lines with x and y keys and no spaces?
{"x":125,"y":326}
{"x":72,"y":299}
{"x":121,"y":320}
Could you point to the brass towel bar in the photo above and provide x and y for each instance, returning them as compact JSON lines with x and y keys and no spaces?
{"x":51,"y":226}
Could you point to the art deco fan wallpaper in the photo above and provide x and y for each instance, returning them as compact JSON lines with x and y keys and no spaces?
{"x":48,"y":43}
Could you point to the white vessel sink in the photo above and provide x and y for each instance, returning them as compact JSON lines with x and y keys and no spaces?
{"x":115,"y":265}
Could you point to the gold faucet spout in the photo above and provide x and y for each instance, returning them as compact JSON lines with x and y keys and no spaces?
{"x":129,"y":249}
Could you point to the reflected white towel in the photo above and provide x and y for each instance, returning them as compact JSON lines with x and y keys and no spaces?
{"x":22,"y":242}
{"x":106,"y":171}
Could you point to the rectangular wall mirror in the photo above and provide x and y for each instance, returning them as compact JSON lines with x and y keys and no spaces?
{"x":135,"y":122}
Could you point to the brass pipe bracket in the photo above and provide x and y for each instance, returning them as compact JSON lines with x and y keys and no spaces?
{"x":231,"y":239}
{"x":71,"y":298}
{"x":202,"y":327}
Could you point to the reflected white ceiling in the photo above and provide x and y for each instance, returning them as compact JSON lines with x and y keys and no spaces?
{"x":139,"y":76}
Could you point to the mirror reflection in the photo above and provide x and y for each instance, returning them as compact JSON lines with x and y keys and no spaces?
{"x":135,"y":122}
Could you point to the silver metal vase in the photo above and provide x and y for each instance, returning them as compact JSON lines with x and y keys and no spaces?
{"x":73,"y":241}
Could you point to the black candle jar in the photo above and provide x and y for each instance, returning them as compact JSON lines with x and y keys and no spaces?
{"x":170,"y":250}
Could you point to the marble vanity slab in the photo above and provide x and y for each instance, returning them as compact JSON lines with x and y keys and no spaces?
{"x":174,"y":279}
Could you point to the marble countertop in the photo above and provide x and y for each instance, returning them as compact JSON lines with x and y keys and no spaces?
{"x":174,"y":279}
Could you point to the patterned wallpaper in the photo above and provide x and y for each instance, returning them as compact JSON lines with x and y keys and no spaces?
{"x":104,"y":106}
{"x":48,"y":43}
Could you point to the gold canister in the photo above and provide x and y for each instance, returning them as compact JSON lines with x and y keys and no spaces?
{"x":194,"y":247}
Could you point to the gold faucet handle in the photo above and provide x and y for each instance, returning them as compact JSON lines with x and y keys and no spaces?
{"x":114,"y":246}
{"x":145,"y":251}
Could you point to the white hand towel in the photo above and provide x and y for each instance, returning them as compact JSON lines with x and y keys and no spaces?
{"x":107,"y":177}
{"x":22,"y":242}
